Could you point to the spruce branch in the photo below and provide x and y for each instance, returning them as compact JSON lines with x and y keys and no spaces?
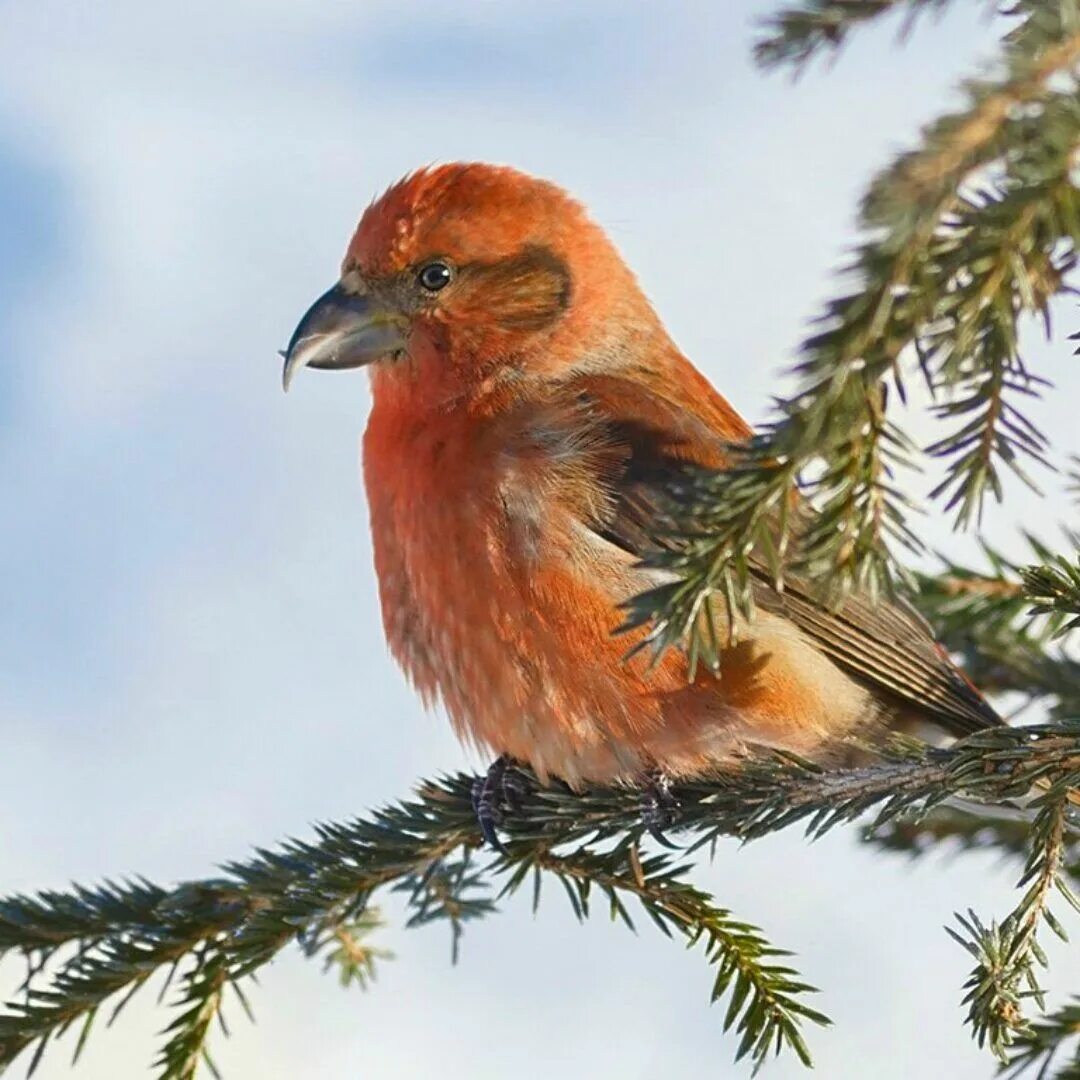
{"x":1008,"y":955}
{"x":1005,"y":629}
{"x":1054,"y":589}
{"x":963,"y":237}
{"x":200,"y":1000}
{"x":95,"y":947}
{"x":994,"y":599}
{"x":1042,"y":49}
{"x":343,"y":945}
{"x":798,"y":34}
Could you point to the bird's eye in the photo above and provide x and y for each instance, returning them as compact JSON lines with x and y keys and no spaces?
{"x":434,"y":276}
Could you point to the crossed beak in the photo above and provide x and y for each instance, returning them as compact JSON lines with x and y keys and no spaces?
{"x":343,"y":330}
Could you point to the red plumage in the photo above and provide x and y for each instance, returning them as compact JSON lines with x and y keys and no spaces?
{"x":527,"y":411}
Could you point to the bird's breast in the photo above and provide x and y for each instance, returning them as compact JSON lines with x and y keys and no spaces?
{"x":492,"y":601}
{"x":500,"y":600}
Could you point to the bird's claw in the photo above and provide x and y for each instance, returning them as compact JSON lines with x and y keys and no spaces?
{"x":658,"y":807}
{"x":499,"y":790}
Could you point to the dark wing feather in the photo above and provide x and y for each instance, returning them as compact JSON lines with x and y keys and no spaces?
{"x":890,"y":647}
{"x":887,"y":645}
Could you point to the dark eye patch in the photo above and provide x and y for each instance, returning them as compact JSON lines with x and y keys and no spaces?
{"x":528,"y":291}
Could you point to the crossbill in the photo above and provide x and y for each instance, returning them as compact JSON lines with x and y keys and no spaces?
{"x":529,"y":410}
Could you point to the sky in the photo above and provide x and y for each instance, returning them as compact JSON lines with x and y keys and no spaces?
{"x":191,"y":656}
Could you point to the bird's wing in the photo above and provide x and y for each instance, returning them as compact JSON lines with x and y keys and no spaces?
{"x":663,"y":423}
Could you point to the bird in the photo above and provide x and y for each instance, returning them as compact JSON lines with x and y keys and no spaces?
{"x":529,"y":412}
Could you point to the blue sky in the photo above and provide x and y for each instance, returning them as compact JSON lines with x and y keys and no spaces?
{"x":191,"y":660}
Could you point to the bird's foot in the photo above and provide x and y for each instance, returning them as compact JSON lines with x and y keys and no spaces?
{"x":659,"y":808}
{"x":501,"y":789}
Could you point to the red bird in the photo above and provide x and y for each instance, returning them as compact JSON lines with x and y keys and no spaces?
{"x":528,"y":409}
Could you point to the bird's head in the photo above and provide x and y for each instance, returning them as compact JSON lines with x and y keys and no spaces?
{"x":467,"y":274}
